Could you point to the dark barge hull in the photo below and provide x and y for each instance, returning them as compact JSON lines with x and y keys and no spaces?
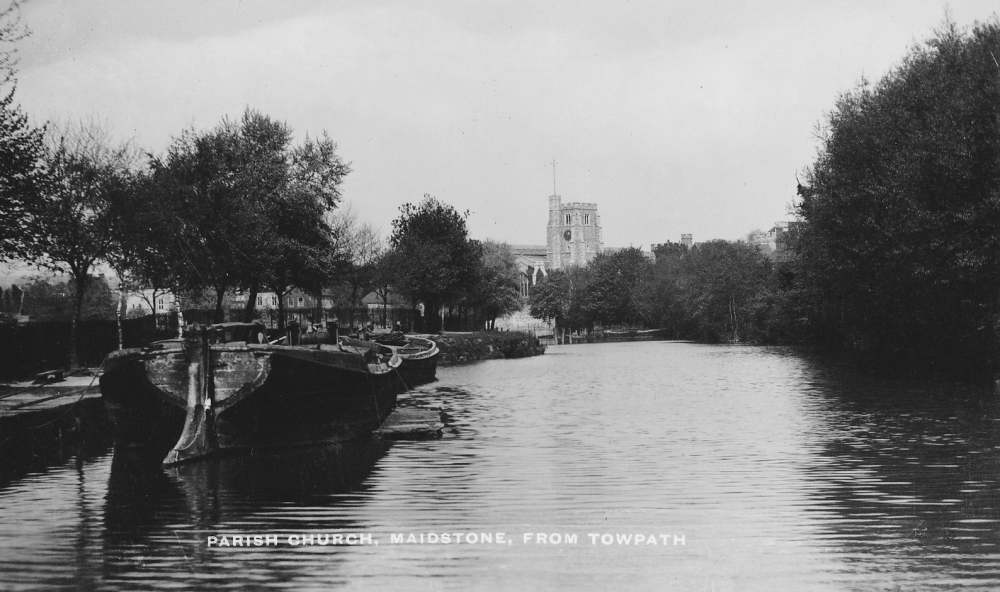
{"x":417,"y":371}
{"x":418,"y":357}
{"x":142,"y":416}
{"x":202,"y":397}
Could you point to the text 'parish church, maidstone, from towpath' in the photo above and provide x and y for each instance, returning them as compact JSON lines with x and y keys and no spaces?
{"x":573,"y":237}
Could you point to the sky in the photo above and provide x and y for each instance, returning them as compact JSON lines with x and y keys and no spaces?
{"x":673,"y":117}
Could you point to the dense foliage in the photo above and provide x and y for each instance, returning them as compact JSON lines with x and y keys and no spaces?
{"x":495,"y":289}
{"x":44,"y":300}
{"x":85,"y":176}
{"x":433,"y":259}
{"x":715,"y":291}
{"x":21,"y":150}
{"x":900,"y":250}
{"x":239,"y":207}
{"x":10,"y":304}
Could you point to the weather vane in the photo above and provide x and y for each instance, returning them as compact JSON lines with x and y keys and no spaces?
{"x":554,"y":177}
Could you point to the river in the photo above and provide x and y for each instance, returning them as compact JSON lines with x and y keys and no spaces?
{"x":748,"y":468}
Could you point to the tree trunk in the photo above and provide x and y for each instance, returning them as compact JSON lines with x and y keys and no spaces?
{"x":385,"y":307}
{"x":121,"y":315}
{"x":180,"y":312}
{"x":736,"y":332}
{"x":251,"y":306}
{"x":435,"y":316}
{"x":355,"y":299}
{"x":220,"y":293}
{"x":281,"y":312}
{"x":80,"y":281}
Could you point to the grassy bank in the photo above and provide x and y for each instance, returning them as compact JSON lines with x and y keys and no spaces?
{"x":487,"y":345}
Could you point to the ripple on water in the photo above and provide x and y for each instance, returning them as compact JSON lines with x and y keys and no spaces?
{"x":776,"y":470}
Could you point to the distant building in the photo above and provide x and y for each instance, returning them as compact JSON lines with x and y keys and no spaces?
{"x":685,"y":244}
{"x":573,"y":233}
{"x":573,"y":237}
{"x":375,"y":305}
{"x":773,"y":243}
{"x":532,"y":260}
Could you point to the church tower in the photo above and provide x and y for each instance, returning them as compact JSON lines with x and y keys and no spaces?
{"x":552,"y":233}
{"x":573,"y":235}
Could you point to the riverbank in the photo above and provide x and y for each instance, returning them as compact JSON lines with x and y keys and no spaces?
{"x":486,"y":345}
{"x":46,"y":423}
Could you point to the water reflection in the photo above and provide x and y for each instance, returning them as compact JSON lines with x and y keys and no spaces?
{"x":911,"y":470}
{"x":157,"y":520}
{"x":781,"y":470}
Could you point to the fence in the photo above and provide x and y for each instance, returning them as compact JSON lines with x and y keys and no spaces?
{"x":350,"y":316}
{"x":347,"y":316}
{"x":31,"y":348}
{"x":608,"y":335}
{"x":35,"y":347}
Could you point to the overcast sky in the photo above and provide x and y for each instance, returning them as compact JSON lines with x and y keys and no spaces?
{"x":674,"y":117}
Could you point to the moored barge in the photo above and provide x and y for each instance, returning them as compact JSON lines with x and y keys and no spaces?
{"x":224,"y":387}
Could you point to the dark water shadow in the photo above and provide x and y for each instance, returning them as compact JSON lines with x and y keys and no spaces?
{"x":157,"y":519}
{"x":911,"y":468}
{"x":34,"y":442}
{"x":302,"y":475}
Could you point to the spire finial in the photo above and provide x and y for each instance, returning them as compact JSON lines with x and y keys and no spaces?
{"x":554,"y":177}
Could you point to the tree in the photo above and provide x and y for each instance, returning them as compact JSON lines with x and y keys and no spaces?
{"x":249,"y":208}
{"x":85,"y":173}
{"x":21,"y":150}
{"x":304,"y":251}
{"x":55,"y":301}
{"x":610,"y":295}
{"x":560,"y":296}
{"x":362,"y":247}
{"x":217,"y":185}
{"x":549,"y":298}
{"x":497,"y":288}
{"x":143,"y":235}
{"x":715,"y":291}
{"x":658,"y":295}
{"x":440,"y":259}
{"x":723,"y":288}
{"x":390,"y":269}
{"x":901,"y":208}
{"x":12,"y":299}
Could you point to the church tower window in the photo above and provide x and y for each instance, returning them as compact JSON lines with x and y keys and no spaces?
{"x":586,"y":218}
{"x":569,"y":218}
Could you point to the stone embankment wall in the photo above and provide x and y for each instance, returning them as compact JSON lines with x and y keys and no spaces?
{"x":486,"y":345}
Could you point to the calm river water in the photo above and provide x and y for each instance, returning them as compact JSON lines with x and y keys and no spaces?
{"x":748,"y":469}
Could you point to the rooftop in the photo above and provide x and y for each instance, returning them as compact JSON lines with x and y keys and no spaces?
{"x":529,"y":249}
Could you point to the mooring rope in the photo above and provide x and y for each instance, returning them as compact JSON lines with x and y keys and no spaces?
{"x":70,"y":407}
{"x":83,"y":392}
{"x":371,"y":387}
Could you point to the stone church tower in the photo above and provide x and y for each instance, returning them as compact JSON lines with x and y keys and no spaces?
{"x":573,"y":235}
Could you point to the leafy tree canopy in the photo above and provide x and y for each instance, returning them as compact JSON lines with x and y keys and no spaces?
{"x":21,"y":150}
{"x":497,"y":287}
{"x":440,"y":260}
{"x":245,"y":208}
{"x":902,"y":204}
